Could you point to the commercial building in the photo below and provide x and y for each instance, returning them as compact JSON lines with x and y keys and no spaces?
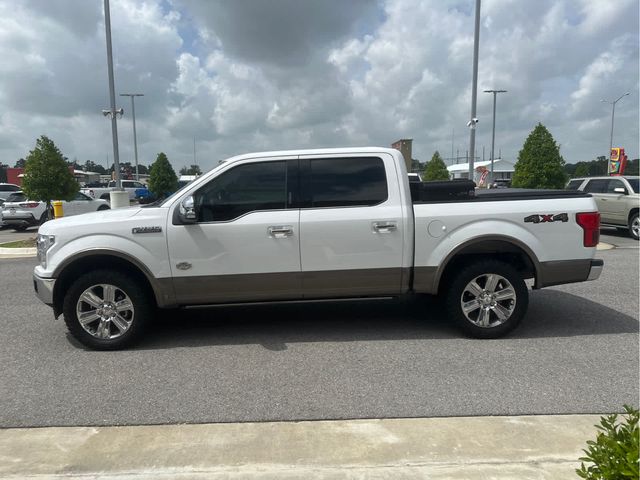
{"x":501,"y":169}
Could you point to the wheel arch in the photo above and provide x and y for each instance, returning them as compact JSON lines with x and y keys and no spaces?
{"x":632,"y":212}
{"x":507,"y":249}
{"x":160,"y":290}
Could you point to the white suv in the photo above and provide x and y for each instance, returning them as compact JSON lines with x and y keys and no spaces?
{"x":617,"y":199}
{"x":7,"y":189}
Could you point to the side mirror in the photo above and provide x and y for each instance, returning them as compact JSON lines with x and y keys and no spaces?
{"x":187,"y":210}
{"x":621,"y":190}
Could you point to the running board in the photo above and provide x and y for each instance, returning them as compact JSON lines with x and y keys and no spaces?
{"x":276,"y":302}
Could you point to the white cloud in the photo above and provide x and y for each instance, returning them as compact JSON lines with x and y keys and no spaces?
{"x":243,"y":76}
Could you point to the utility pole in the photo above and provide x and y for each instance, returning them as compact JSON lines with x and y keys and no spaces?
{"x":133,"y":113}
{"x":194,"y":151}
{"x":453,"y":132}
{"x":474,"y":90}
{"x":493,"y":132}
{"x":613,"y":113}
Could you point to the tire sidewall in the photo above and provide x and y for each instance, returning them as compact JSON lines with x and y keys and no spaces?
{"x":633,"y":218}
{"x":138,"y":296}
{"x":468,"y":273}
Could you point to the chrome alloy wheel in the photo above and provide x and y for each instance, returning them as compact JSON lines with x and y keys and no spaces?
{"x":105,"y":311}
{"x":488,"y":300}
{"x":635,"y":227}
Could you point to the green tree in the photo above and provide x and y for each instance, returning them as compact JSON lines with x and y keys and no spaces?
{"x":582,"y":170}
{"x":539,"y":164}
{"x":191,"y":170}
{"x":46,"y":174}
{"x":20,"y":163}
{"x":91,"y":166}
{"x":435,"y":169}
{"x":163,"y":179}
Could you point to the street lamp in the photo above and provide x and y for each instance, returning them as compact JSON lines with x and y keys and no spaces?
{"x":613,"y":112}
{"x":112,"y":112}
{"x":493,"y":133}
{"x":474,"y":92}
{"x":133,"y":113}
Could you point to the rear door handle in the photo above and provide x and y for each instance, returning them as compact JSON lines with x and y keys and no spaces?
{"x":280,"y":231}
{"x":384,"y":227}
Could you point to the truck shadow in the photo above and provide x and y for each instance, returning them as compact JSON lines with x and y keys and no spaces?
{"x":552,"y":313}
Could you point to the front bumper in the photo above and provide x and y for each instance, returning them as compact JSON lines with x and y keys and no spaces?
{"x":44,"y":288}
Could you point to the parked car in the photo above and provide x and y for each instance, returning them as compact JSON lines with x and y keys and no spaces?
{"x":617,"y":198}
{"x":7,"y":189}
{"x":315,"y":224}
{"x":130,"y":186}
{"x":501,"y":183}
{"x":21,"y":213}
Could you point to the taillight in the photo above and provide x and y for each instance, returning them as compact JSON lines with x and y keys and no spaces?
{"x":29,"y":204}
{"x":590,"y":223}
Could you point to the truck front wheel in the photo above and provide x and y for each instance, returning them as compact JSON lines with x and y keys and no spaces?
{"x":487,"y":299}
{"x":106,"y":310}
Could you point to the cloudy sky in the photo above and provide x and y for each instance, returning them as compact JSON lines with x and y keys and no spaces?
{"x":247,"y":75}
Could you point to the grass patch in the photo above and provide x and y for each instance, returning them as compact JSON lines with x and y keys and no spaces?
{"x":28,"y":243}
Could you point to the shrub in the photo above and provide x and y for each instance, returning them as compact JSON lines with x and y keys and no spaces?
{"x":614,"y":454}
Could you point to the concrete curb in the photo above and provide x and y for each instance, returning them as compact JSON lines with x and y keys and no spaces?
{"x":18,"y":252}
{"x":523,"y":447}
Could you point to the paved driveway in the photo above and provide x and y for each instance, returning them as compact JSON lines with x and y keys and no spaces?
{"x":577,"y":352}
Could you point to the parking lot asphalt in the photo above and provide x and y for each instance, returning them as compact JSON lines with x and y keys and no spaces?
{"x":576,"y":352}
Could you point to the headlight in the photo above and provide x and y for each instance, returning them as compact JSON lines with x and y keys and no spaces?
{"x":43,"y":244}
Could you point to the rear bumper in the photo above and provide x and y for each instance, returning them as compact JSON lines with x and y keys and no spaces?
{"x":596,"y":269}
{"x":568,"y":271}
{"x":19,"y":221}
{"x":44,"y":288}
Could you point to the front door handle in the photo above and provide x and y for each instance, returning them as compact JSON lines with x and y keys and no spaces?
{"x":280,"y":231}
{"x":384,"y":227}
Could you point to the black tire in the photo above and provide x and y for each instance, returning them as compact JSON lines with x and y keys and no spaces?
{"x":20,"y":228}
{"x":633,"y":226}
{"x":138,"y":318}
{"x":458,"y":292}
{"x":45,"y":217}
{"x":103,"y":207}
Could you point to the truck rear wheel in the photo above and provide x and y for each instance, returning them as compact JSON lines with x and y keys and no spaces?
{"x":106,"y":310}
{"x":487,"y":299}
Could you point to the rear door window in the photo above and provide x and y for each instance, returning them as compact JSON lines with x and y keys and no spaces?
{"x":597,"y":186}
{"x":347,"y":182}
{"x":613,"y":184}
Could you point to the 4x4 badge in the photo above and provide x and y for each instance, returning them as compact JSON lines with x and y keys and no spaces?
{"x":546,"y":218}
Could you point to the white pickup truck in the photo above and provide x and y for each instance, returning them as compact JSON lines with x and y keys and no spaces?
{"x":314,"y":224}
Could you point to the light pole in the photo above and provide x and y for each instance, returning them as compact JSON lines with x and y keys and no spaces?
{"x":112,"y":112}
{"x":474,"y":92}
{"x":613,"y":112}
{"x":133,"y":113}
{"x":493,"y":133}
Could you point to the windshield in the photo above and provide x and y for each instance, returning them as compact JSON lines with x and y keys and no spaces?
{"x":634,"y":184}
